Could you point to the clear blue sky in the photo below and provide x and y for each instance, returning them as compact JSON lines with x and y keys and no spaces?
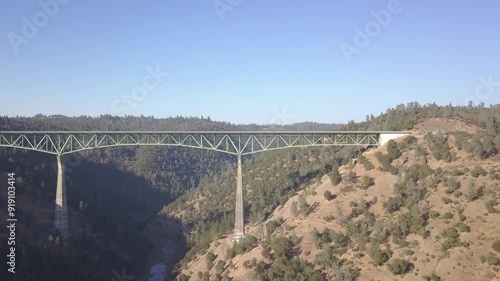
{"x":260,"y":60}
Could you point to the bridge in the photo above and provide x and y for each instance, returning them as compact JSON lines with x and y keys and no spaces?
{"x":238,"y":143}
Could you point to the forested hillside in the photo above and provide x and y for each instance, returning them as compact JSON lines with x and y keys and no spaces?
{"x":272,"y":180}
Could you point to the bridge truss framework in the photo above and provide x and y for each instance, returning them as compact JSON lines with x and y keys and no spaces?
{"x":237,"y":143}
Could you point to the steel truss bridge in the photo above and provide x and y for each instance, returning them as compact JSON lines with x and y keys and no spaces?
{"x":237,"y":143}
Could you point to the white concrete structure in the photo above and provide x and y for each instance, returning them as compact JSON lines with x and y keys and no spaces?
{"x":384,"y":137}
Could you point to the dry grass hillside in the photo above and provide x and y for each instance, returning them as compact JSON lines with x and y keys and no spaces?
{"x":442,"y":220}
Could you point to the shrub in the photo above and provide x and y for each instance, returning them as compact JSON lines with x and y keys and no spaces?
{"x":368,"y":165}
{"x":393,"y":204}
{"x":452,"y":239}
{"x":294,"y":209}
{"x":384,"y":161}
{"x":303,"y":205}
{"x":335,"y":175}
{"x":433,"y":277}
{"x":245,"y":245}
{"x":273,"y":225}
{"x":393,"y":151}
{"x":496,"y":245}
{"x":351,"y":177}
{"x":446,"y":200}
{"x":407,"y":143}
{"x":210,"y":260}
{"x":473,"y":192}
{"x":447,"y":216}
{"x":220,"y":266}
{"x":366,"y":182}
{"x":409,"y":252}
{"x":490,"y":206}
{"x":462,"y":227}
{"x":433,"y":214}
{"x":439,"y":146}
{"x":329,"y":218}
{"x":321,"y":238}
{"x":453,"y":185}
{"x":491,"y":259}
{"x":340,"y":239}
{"x":393,"y":170}
{"x":328,"y":195}
{"x":478,"y":171}
{"x":361,"y":158}
{"x":413,"y":222}
{"x":379,"y":256}
{"x":400,"y":266}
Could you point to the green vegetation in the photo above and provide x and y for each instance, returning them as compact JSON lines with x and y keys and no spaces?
{"x":273,"y":225}
{"x":478,"y":171}
{"x":210,"y":260}
{"x":284,"y":265}
{"x":491,"y":206}
{"x":447,"y":216}
{"x":325,"y":238}
{"x":379,"y":256}
{"x":491,"y":259}
{"x":400,"y":266}
{"x":433,"y":214}
{"x":328,"y":195}
{"x":496,"y":245}
{"x":366,"y":182}
{"x":243,"y":246}
{"x":413,"y":221}
{"x":452,"y":239}
{"x":453,"y":185}
{"x":335,"y":175}
{"x":473,"y":192}
{"x":433,"y":277}
{"x":438,"y":144}
{"x":303,"y":207}
{"x":385,"y":160}
{"x":365,"y":162}
{"x":462,"y":227}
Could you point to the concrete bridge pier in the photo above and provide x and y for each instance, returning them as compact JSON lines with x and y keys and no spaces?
{"x":239,"y":227}
{"x":61,"y":209}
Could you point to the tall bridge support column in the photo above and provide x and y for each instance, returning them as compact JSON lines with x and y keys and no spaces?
{"x":61,"y":209}
{"x":239,"y":227}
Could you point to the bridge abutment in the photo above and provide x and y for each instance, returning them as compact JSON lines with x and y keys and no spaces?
{"x":61,"y":209}
{"x":385,"y":137}
{"x":239,"y":228}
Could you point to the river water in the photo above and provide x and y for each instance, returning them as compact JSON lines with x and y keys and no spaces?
{"x":158,"y":271}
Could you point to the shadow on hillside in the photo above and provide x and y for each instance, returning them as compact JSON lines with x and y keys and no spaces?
{"x":112,"y":217}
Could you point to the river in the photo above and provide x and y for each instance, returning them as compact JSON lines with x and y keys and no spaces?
{"x":158,"y":271}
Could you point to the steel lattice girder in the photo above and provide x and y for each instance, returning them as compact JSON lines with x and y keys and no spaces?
{"x":231,"y":142}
